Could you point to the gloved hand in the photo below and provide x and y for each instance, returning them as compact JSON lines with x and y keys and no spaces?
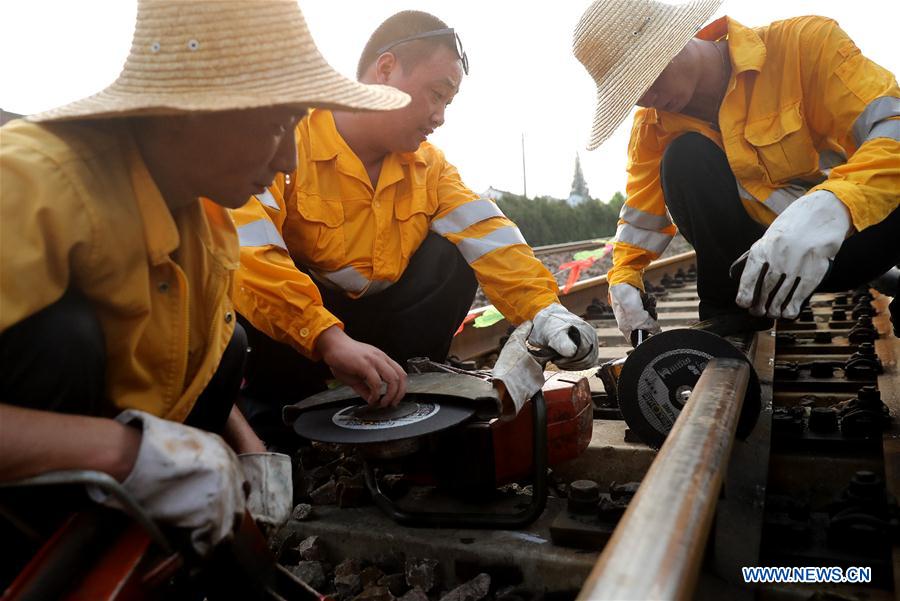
{"x":629,"y":310}
{"x":785,"y":265}
{"x":571,"y":337}
{"x":184,"y":477}
{"x":520,"y":373}
{"x":271,"y":486}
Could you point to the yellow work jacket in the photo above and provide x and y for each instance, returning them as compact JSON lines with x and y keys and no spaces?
{"x":803,"y":111}
{"x":327,"y":218}
{"x":80,"y":209}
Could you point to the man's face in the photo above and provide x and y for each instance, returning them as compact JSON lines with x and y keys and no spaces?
{"x":238,"y":153}
{"x":675,"y":87}
{"x":432,"y":85}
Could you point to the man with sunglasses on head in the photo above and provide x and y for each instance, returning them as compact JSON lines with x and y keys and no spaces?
{"x":371,"y":253}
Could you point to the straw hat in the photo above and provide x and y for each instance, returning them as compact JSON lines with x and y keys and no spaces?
{"x":216,"y":55}
{"x":625,"y":45}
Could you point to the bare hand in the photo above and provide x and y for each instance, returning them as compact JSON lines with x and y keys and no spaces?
{"x":362,"y":367}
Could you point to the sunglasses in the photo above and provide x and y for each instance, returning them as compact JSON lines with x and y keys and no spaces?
{"x":460,"y":53}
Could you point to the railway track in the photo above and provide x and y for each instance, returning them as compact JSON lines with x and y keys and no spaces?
{"x":474,"y":343}
{"x":812,"y":485}
{"x":568,"y":247}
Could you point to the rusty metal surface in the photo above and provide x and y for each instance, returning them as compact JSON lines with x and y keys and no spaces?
{"x":657,"y":548}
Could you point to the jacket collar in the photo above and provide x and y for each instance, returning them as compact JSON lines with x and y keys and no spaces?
{"x":747,"y":50}
{"x":326,"y":144}
{"x":160,"y":231}
{"x":160,"y":228}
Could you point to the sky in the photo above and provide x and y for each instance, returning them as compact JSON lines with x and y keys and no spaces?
{"x":523,"y":79}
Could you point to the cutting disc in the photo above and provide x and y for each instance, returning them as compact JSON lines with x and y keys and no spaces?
{"x":659,"y":375}
{"x":357,"y":423}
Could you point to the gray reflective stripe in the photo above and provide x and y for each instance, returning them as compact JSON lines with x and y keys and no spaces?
{"x":268,"y":200}
{"x":261,"y":232}
{"x":473,"y":249}
{"x":886,"y":129}
{"x":830,"y":158}
{"x":779,"y":199}
{"x":782,"y":198}
{"x":645,"y":220}
{"x":655,"y":242}
{"x":464,"y":216}
{"x":349,"y":279}
{"x":864,"y":129}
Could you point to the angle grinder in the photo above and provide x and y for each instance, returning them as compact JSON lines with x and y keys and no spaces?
{"x":653,"y":383}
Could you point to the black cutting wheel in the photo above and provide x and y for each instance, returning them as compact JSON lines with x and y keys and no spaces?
{"x":659,"y":375}
{"x":356,"y":423}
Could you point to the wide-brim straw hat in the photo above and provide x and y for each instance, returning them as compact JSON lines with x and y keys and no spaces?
{"x":625,"y":45}
{"x":218,"y":55}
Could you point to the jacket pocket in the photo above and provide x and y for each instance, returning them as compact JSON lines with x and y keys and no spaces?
{"x":783,"y":144}
{"x":316,"y":231}
{"x":413,"y":213}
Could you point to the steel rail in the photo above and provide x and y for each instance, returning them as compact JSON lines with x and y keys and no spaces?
{"x":549,"y":249}
{"x":657,"y":549}
{"x":474,"y":342}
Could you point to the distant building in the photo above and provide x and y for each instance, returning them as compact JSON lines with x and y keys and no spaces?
{"x":579,"y":191}
{"x":493,"y":193}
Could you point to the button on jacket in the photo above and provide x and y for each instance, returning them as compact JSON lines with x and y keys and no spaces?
{"x":328,"y":219}
{"x":80,"y":209}
{"x":804,"y":110}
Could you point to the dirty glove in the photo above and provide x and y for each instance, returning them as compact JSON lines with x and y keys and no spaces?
{"x":571,"y":337}
{"x":629,"y":310}
{"x":519,"y":372}
{"x":271,"y":486}
{"x":785,"y":265}
{"x":184,"y":477}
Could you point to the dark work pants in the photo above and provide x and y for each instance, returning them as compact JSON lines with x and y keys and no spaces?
{"x":55,"y":361}
{"x":415,"y":317}
{"x":702,"y":198}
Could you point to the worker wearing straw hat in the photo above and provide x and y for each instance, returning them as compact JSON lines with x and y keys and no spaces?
{"x":377,"y":245}
{"x":774,"y":150}
{"x":119,"y":254}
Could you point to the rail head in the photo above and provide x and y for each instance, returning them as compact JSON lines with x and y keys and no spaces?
{"x":656,"y":550}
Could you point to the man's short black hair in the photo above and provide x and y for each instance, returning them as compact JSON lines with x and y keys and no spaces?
{"x":403,"y":25}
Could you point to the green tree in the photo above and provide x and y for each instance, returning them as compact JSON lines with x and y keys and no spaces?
{"x":545,"y":220}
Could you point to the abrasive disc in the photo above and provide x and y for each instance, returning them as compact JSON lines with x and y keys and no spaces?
{"x":357,"y":423}
{"x":660,"y":373}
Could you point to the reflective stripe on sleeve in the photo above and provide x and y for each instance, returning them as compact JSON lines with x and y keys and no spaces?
{"x":465,"y":216}
{"x":642,"y":219}
{"x":872,"y":122}
{"x":655,"y":242}
{"x":780,"y":198}
{"x":261,"y":232}
{"x":268,"y":200}
{"x":473,"y":249}
{"x":349,"y":279}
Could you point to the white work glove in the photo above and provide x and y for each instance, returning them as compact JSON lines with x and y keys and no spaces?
{"x":271,"y":487}
{"x":629,"y":310}
{"x":571,"y":337}
{"x":792,"y":257}
{"x":520,"y":373}
{"x":184,"y":477}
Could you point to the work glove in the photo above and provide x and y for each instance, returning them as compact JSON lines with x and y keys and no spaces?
{"x":629,"y":310}
{"x":572,"y":338}
{"x":784,"y":266}
{"x":520,"y":373}
{"x":271,"y":486}
{"x":184,"y":477}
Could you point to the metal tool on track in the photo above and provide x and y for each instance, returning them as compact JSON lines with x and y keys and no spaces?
{"x":655,"y":381}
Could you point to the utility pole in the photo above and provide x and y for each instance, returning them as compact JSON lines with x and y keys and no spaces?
{"x":524,"y":181}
